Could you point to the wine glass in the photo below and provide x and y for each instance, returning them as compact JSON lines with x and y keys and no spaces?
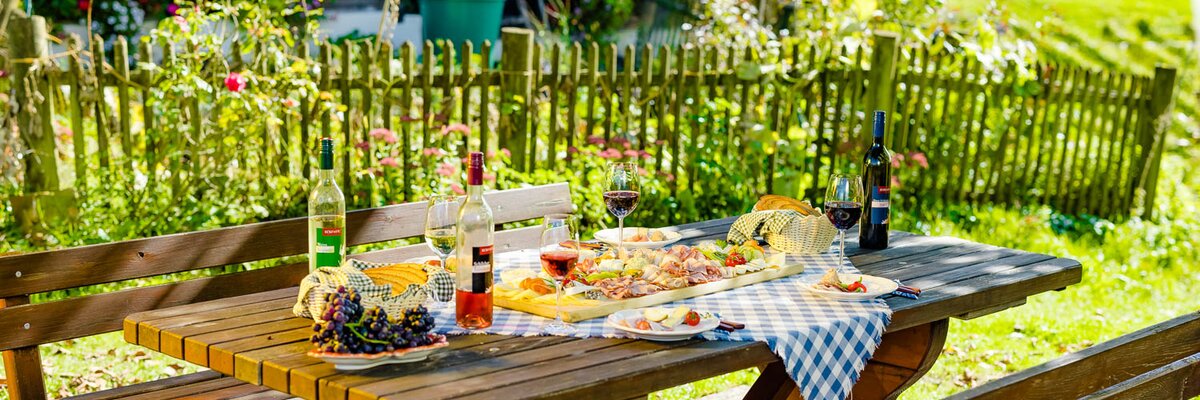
{"x":621,"y":197}
{"x":441,"y":231}
{"x":843,"y":206}
{"x":559,"y":253}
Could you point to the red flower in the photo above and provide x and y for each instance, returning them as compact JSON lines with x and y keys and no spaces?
{"x":83,"y":5}
{"x":172,"y":8}
{"x":235,"y":82}
{"x":456,"y":127}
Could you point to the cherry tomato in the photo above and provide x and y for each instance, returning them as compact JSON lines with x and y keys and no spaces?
{"x":643,"y":325}
{"x":692,"y":318}
{"x":734,"y":259}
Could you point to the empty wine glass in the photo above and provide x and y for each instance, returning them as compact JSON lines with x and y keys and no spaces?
{"x":621,"y":196}
{"x":559,"y":253}
{"x":441,"y":230}
{"x":843,"y":206}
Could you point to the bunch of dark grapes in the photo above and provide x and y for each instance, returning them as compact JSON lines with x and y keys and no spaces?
{"x":348,"y":328}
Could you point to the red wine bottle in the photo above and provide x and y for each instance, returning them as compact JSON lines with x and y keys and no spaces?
{"x":877,"y":178}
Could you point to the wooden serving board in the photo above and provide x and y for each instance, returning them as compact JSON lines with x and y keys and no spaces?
{"x":580,"y":313}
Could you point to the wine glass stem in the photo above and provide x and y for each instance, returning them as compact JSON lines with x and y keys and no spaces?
{"x":558,"y":289}
{"x":841,"y":248}
{"x":620,"y":238}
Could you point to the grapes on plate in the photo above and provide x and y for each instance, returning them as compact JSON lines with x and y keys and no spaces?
{"x":348,"y":328}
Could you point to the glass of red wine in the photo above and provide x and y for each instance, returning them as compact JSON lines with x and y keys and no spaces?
{"x":621,"y":197}
{"x":559,"y":253}
{"x":843,"y":206}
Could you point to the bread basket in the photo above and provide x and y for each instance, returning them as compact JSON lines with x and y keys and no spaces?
{"x":789,"y":231}
{"x":311,"y":300}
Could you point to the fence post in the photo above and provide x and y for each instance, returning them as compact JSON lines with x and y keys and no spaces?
{"x":1153,"y":124}
{"x":516,"y":63}
{"x":27,"y":36}
{"x":882,"y":76}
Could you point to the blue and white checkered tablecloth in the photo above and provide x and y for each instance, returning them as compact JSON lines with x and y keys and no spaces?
{"x":825,"y":344}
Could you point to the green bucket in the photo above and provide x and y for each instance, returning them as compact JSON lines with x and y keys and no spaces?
{"x":461,"y":20}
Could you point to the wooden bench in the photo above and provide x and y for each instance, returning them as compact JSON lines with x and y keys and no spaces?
{"x":1160,"y":362}
{"x":28,"y":325}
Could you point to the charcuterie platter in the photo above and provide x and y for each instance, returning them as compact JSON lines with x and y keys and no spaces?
{"x":605,"y":283}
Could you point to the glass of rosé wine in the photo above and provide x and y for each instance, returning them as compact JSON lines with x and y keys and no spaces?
{"x":559,"y":254}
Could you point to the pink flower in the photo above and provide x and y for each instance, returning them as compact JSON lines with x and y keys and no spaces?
{"x":456,"y":127}
{"x":610,"y":153}
{"x":631,"y":153}
{"x":3,"y":73}
{"x":408,"y":118}
{"x":385,"y":134}
{"x":489,"y":176}
{"x":895,"y":182}
{"x":506,"y":153}
{"x":896,"y":160}
{"x":289,"y":103}
{"x":920,"y":159}
{"x":183,"y":25}
{"x":433,"y":151}
{"x":363,"y":145}
{"x":572,"y":150}
{"x":235,"y":82}
{"x":643,"y":171}
{"x":458,"y":189}
{"x":172,"y":9}
{"x":389,"y":162}
{"x":596,"y":140}
{"x":446,"y":169}
{"x":669,"y":177}
{"x":644,"y":154}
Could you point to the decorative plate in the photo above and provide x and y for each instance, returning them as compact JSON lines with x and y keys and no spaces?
{"x":623,"y":321}
{"x":609,"y":236}
{"x":357,"y":362}
{"x":876,"y":287}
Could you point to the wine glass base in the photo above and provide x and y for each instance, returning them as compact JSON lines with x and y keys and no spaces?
{"x":559,"y":329}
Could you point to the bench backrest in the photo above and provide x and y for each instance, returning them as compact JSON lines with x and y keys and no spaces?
{"x":1159,"y":362}
{"x":26,"y":326}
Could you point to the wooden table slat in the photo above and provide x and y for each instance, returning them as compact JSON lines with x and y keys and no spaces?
{"x":172,"y":339}
{"x":483,"y":365}
{"x":195,"y":348}
{"x":638,"y":375}
{"x":185,"y":390}
{"x":220,"y":357}
{"x":337,"y":387}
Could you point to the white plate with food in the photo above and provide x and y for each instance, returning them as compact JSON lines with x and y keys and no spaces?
{"x":640,"y":238}
{"x":850,"y":287}
{"x":663,"y":324}
{"x":358,"y":362}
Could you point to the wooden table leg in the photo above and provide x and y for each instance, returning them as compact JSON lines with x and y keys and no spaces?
{"x":901,"y":359}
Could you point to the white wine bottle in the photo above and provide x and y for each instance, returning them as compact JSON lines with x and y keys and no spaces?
{"x":326,"y":215}
{"x":473,"y":294}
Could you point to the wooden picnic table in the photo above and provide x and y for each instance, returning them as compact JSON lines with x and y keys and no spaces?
{"x":256,"y":339}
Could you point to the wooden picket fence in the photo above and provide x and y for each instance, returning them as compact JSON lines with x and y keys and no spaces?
{"x":1085,"y":142}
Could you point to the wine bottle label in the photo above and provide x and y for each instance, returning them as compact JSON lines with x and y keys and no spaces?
{"x":880,"y":202}
{"x":328,"y":248}
{"x":481,"y":269}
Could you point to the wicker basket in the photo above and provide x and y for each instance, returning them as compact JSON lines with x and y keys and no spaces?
{"x":310,"y":303}
{"x":786,"y":230}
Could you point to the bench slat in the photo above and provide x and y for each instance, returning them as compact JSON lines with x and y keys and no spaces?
{"x":31,"y":273}
{"x":1178,"y":380}
{"x":90,"y":315}
{"x":152,"y":386}
{"x":1100,"y":366}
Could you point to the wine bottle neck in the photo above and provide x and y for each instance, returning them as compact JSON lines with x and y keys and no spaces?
{"x":326,"y":175}
{"x":474,"y":192}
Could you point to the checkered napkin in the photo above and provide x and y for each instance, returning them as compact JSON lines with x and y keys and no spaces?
{"x":825,"y":344}
{"x":785,"y":230}
{"x":310,"y":301}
